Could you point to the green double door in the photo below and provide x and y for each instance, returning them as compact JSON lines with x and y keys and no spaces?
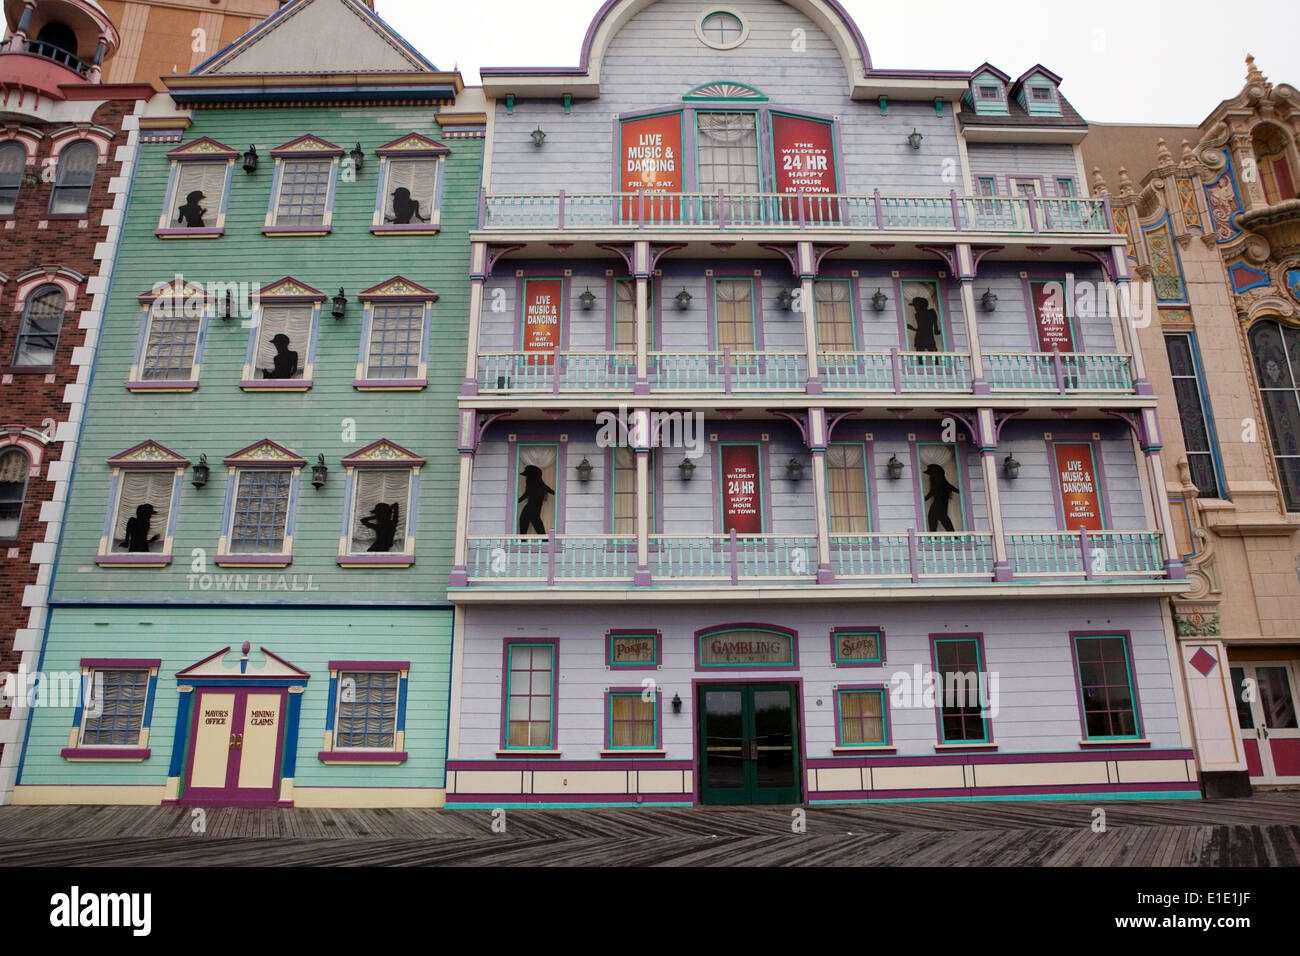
{"x":749,"y":743}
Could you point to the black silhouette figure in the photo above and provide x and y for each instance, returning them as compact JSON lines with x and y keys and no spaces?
{"x":941,"y":492}
{"x":382,"y":520}
{"x":137,"y":538}
{"x":534,"y":496}
{"x":285,"y":362}
{"x":926,"y":328}
{"x":406,"y":209}
{"x":192,"y":213}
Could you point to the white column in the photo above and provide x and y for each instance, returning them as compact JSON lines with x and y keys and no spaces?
{"x":806,"y":258}
{"x":641,"y":269}
{"x":478,"y":274}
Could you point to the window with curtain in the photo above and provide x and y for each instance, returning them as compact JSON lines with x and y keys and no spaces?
{"x":368,"y":721}
{"x":283,"y":340}
{"x":625,"y":319}
{"x":380,"y":514}
{"x":411,"y":191}
{"x":1276,"y":351}
{"x":959,"y":666}
{"x":261,"y":511}
{"x":835,"y":331}
{"x":624,"y":492}
{"x":15,"y":466}
{"x":200,"y":188}
{"x":846,"y":483}
{"x":727,"y":159}
{"x":941,"y":488}
{"x":1065,"y":187}
{"x":734,"y":314}
{"x":144,"y":504}
{"x":396,"y":341}
{"x":530,"y":696}
{"x":632,"y":723}
{"x":13,"y":162}
{"x":118,"y":699}
{"x":1106,"y":687}
{"x":73,"y":179}
{"x":862,"y":718}
{"x":536,"y":488}
{"x":38,"y":336}
{"x":1193,"y":413}
{"x":304,"y":192}
{"x":923,"y":317}
{"x":171,"y":343}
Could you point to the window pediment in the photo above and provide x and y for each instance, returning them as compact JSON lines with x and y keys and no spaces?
{"x":265,"y":453}
{"x":149,"y":454}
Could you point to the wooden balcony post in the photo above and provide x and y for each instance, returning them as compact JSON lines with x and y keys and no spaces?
{"x":1128,"y":328}
{"x":643,"y":516}
{"x":641,"y":263}
{"x":560,"y":214}
{"x":460,"y":555}
{"x":896,"y":366}
{"x":988,"y":442}
{"x":1057,"y":370}
{"x":1084,"y":549}
{"x":913,"y":555}
{"x":807,"y":259}
{"x":726,"y":371}
{"x":880,"y":209}
{"x":817,"y":437}
{"x":735,"y":557}
{"x":964,"y":258}
{"x":550,"y":557}
{"x":478,"y":275}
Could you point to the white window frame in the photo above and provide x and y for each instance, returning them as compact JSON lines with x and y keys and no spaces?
{"x":264,"y":455}
{"x":383,"y":455}
{"x":411,"y":148}
{"x":194,"y":299}
{"x":397,"y":292}
{"x":146,"y":457}
{"x":205,"y":152}
{"x":304,"y":149}
{"x":286,"y":293}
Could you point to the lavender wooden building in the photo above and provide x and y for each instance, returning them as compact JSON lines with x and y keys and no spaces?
{"x":805,"y":455}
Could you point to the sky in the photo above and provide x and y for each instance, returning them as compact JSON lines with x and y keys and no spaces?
{"x":1122,"y":61}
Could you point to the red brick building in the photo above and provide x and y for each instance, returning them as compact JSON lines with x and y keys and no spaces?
{"x":67,"y":146}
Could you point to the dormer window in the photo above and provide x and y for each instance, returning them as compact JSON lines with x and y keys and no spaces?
{"x":1036,"y":92}
{"x":988,"y":91}
{"x":1040,"y":94}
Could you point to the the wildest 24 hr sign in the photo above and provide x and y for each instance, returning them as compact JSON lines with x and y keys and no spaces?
{"x":1077,"y":474}
{"x":650,"y":160}
{"x":804,"y":151}
{"x":542,"y":317}
{"x":1050,"y":318}
{"x":742,"y":494}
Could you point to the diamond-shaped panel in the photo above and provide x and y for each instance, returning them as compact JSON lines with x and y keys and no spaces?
{"x":1204,"y":662}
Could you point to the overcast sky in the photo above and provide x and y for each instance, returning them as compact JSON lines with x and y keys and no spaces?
{"x":1123,"y":61}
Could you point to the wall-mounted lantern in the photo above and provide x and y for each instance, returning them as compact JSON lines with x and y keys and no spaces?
{"x":358,"y":158}
{"x":201,"y":472}
{"x":538,"y":137}
{"x":895,"y":468}
{"x":1011,"y":468}
{"x":588,"y":300}
{"x":879,"y":301}
{"x":250,"y":160}
{"x":340,"y":304}
{"x":584,"y":471}
{"x":228,"y":306}
{"x":683,"y":300}
{"x":988,"y":300}
{"x":785,"y":299}
{"x":793,"y":469}
{"x":687,"y":469}
{"x":677,"y":703}
{"x":319,"y":472}
{"x":914,"y":140}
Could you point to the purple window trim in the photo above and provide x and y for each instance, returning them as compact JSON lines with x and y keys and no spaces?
{"x":392,"y":757}
{"x":872,"y":629}
{"x":756,"y":306}
{"x":1012,"y":178}
{"x":375,"y":560}
{"x":253,"y":560}
{"x":512,"y":486}
{"x":122,"y":663}
{"x":156,"y":386}
{"x":656,"y":633}
{"x":948,"y":758}
{"x":867,"y":452}
{"x":326,"y":150}
{"x":1027,"y":289}
{"x":173,"y":460}
{"x":390,"y":384}
{"x":942,"y":295}
{"x":1054,"y":476}
{"x":133,"y":560}
{"x":1133,"y":682}
{"x":399,"y":228}
{"x":204,"y":232}
{"x":369,"y":665}
{"x":129,"y":754}
{"x":855,"y":433}
{"x":715,"y":680}
{"x":276,"y":385}
{"x":608,"y":734}
{"x":281,"y":232}
{"x":883,"y":688}
{"x":965,"y":480}
{"x":506,"y":644}
{"x":978,"y":638}
{"x":521,"y":286}
{"x":701,"y":634}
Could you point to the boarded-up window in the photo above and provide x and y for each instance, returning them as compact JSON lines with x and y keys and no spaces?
{"x":200,"y":188}
{"x":144,"y":504}
{"x":283,"y":340}
{"x":411,"y":192}
{"x":846,"y":481}
{"x":380,"y":516}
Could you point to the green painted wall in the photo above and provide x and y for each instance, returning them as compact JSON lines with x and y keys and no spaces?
{"x":308,"y":639}
{"x":220,"y":419}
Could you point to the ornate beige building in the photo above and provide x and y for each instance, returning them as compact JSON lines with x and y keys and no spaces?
{"x":1214,"y":230}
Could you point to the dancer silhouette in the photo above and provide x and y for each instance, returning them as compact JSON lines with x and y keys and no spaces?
{"x":406,"y":209}
{"x":534,"y":496}
{"x":926,"y":328}
{"x":382,"y":520}
{"x":941,"y":492}
{"x":192,"y":213}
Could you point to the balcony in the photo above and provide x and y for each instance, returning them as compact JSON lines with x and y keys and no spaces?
{"x":903,"y":559}
{"x":839,"y":213}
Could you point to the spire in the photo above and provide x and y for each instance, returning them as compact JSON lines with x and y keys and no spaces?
{"x":1253,"y":75}
{"x":1189,"y":158}
{"x":1098,"y":183}
{"x":1125,"y":184}
{"x":1163,"y":156}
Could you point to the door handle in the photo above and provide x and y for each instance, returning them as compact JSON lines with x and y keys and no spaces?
{"x":750,"y":750}
{"x":236,"y":741}
{"x":1264,"y":731}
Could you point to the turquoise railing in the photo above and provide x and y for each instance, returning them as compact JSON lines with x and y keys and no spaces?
{"x":727,"y":371}
{"x":913,"y":555}
{"x":871,"y":556}
{"x":934,"y":372}
{"x":734,"y":558}
{"x":556,"y":371}
{"x":858,"y":371}
{"x":1091,"y":555}
{"x":1062,"y":372}
{"x":546,"y":559}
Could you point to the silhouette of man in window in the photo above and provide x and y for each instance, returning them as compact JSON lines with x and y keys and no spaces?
{"x":926,"y":328}
{"x":137,"y":538}
{"x":285,"y":363}
{"x":941,"y":492}
{"x":534,"y":497}
{"x":192,"y":213}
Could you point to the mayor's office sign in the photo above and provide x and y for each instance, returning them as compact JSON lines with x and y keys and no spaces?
{"x":746,"y":647}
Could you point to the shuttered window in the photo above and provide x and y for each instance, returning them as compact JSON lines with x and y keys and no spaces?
{"x":272,"y":359}
{"x":411,"y":192}
{"x":144,"y":504}
{"x":382,"y":500}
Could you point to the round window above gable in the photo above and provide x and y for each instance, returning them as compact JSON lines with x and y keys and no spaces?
{"x":721,"y":28}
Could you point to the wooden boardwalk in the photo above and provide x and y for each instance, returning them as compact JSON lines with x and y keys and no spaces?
{"x":1261,"y":831}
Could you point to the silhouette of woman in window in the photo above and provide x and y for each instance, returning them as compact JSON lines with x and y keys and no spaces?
{"x":406,"y":209}
{"x":534,"y":497}
{"x":382,"y":520}
{"x":192,"y":213}
{"x":941,"y":492}
{"x":926,"y":328}
{"x":285,"y":362}
{"x":137,"y":538}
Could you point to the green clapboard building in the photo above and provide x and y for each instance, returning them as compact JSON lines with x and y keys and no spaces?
{"x":249,"y":601}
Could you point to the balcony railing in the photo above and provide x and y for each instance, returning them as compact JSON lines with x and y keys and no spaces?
{"x":698,"y":211}
{"x":895,"y":371}
{"x":56,"y":54}
{"x":728,"y":372}
{"x":556,"y":372}
{"x":724,"y":372}
{"x":1062,"y":372}
{"x":885,"y":559}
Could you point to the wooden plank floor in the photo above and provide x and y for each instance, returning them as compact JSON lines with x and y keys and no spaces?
{"x":1261,"y":831}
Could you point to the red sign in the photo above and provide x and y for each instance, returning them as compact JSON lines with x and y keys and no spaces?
{"x":542,"y":317}
{"x":805,"y":163}
{"x":650,"y":159}
{"x":1050,"y":318}
{"x":742,"y":495}
{"x":1080,"y":498}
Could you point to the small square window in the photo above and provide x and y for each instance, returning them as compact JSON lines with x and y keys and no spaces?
{"x":530,"y":696}
{"x":1040,"y":94}
{"x":990,"y":93}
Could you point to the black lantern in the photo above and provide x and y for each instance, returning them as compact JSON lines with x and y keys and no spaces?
{"x":588,"y":300}
{"x":988,"y":300}
{"x":319,"y":472}
{"x":794,"y":469}
{"x":584,"y":471}
{"x":895,"y":468}
{"x":879,"y":301}
{"x":677,"y":703}
{"x":250,"y":160}
{"x":785,"y":299}
{"x":915,"y":139}
{"x":538,"y":137}
{"x":1011,"y":468}
{"x":340,"y":304}
{"x":228,"y":306}
{"x":201,"y":472}
{"x":358,"y":158}
{"x":683,"y":300}
{"x":687,"y":468}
